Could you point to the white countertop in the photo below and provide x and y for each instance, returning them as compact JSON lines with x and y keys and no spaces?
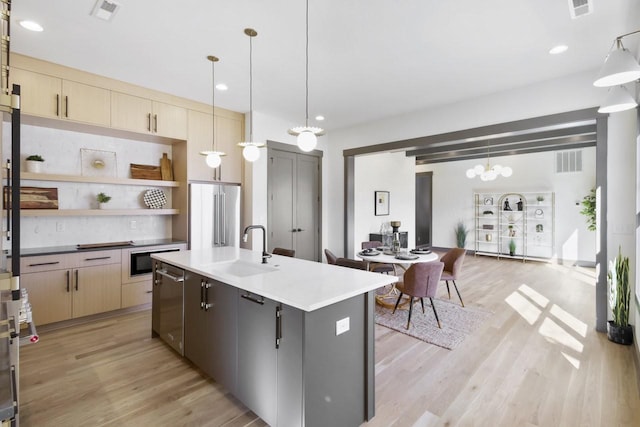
{"x":302,"y":284}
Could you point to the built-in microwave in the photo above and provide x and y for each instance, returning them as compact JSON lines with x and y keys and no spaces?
{"x":140,"y":261}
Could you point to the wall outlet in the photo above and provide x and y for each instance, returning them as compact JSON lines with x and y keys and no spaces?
{"x":59,"y":226}
{"x":342,"y":326}
{"x":133,"y":225}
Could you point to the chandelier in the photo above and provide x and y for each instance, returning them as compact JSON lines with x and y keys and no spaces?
{"x":488,"y":172}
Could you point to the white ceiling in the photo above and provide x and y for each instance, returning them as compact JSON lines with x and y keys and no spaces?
{"x":369,"y":59}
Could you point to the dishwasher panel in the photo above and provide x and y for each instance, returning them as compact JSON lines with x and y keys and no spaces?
{"x":168,"y":297}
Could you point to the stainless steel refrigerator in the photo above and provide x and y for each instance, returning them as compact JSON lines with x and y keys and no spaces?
{"x":214,"y":215}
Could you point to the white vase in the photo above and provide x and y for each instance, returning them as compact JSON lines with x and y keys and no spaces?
{"x":34,"y":166}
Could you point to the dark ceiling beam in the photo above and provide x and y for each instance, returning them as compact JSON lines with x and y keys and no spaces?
{"x":550,"y":135}
{"x":578,"y":116}
{"x":423,"y":160}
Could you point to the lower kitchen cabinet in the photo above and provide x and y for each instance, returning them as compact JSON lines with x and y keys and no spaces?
{"x":66,"y":286}
{"x":210,"y":328}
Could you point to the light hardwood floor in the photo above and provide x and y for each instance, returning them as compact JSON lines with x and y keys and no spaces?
{"x":537,"y":361}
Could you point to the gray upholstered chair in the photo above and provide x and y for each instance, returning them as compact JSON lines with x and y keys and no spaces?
{"x":352,"y":263}
{"x":453,"y":260}
{"x":285,"y":252}
{"x":377,"y":267}
{"x":331,"y":257}
{"x":420,"y":281}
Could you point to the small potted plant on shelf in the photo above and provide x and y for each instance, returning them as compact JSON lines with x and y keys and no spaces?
{"x":619,"y":330}
{"x":540,"y":199}
{"x":34,"y":163}
{"x":102,"y":199}
{"x":512,"y":247}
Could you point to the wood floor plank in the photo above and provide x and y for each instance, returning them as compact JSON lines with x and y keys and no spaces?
{"x":537,"y":361}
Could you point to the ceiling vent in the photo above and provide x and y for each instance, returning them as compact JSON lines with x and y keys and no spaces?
{"x":578,"y":8}
{"x":568,"y":161}
{"x":105,"y":9}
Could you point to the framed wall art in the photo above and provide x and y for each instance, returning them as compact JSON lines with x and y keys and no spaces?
{"x":381,"y":203}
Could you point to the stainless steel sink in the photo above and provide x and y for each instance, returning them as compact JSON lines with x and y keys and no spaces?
{"x":242,"y":268}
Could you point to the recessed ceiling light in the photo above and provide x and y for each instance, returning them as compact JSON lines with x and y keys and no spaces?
{"x":31,"y":25}
{"x":558,"y":49}
{"x":222,"y":86}
{"x":319,"y":118}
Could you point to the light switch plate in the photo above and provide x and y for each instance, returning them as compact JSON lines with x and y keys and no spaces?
{"x":342,"y":326}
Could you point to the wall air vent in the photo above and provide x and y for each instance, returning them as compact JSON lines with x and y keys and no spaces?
{"x":568,"y":161}
{"x":105,"y":9}
{"x":578,"y":8}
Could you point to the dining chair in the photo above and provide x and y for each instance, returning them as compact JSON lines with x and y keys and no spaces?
{"x":420,"y":281}
{"x":352,"y":263}
{"x":377,"y":267}
{"x":285,"y":252}
{"x":453,"y":260}
{"x":331,"y":257}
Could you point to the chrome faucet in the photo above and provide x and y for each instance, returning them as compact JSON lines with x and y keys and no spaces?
{"x":265,"y":255}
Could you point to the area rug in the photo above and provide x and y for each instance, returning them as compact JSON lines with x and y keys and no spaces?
{"x":457,"y":322}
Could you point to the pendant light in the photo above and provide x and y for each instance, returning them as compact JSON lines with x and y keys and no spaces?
{"x":251,"y":150}
{"x":489,"y":173}
{"x":213,"y":157}
{"x":619,"y":67}
{"x":618,"y":99}
{"x":307,"y":136}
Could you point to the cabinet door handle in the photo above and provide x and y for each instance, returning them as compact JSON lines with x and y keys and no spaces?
{"x":207,"y":306}
{"x":97,"y":258}
{"x":76,"y":271}
{"x":201,"y":294}
{"x":149,"y":122}
{"x":155,"y":123}
{"x":250,"y":297}
{"x":57,"y":105}
{"x":68,"y":284}
{"x":66,"y":106}
{"x":278,"y":326}
{"x":44,"y":263}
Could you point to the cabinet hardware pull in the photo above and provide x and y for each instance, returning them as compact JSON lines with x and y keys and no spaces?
{"x":57,"y":105}
{"x":155,"y":123}
{"x":201,"y":294}
{"x":44,"y":263}
{"x":66,"y":106}
{"x":249,"y":297}
{"x":207,"y":306}
{"x":97,"y":258}
{"x":299,"y":230}
{"x":278,"y":326}
{"x":170,"y":276}
{"x":148,"y":292}
{"x":76,"y":279}
{"x":149,"y":122}
{"x":68,"y":277}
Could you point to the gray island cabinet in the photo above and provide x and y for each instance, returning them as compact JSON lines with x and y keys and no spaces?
{"x":293,"y":340}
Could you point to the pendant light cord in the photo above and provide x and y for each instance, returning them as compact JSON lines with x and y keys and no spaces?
{"x":251,"y":88}
{"x":306,"y":120}
{"x":213,"y":103}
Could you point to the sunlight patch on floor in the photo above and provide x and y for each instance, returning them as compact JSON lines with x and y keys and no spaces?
{"x":574,"y":362}
{"x":523,"y":307}
{"x":556,"y":334}
{"x":574,"y":323}
{"x":538,"y":298}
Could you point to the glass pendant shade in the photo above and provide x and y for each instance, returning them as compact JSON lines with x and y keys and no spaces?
{"x":620,"y":67}
{"x":488,"y":173}
{"x":307,"y":141}
{"x":618,"y":99}
{"x":251,"y":152}
{"x":213,"y":160}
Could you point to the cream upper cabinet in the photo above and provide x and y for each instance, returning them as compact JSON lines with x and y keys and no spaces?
{"x":143,"y":115}
{"x":199,"y":139}
{"x":229,"y":132}
{"x":46,"y":96}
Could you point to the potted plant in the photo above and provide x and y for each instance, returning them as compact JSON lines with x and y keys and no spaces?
{"x":619,"y":330}
{"x":512,"y":247}
{"x":34,"y":163}
{"x":461,"y":232}
{"x":540,"y":199}
{"x":102,"y":199}
{"x":589,"y":209}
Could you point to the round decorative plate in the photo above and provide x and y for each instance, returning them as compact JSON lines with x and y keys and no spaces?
{"x":154,"y":199}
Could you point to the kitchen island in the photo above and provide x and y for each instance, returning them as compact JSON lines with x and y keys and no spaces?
{"x":291,"y":339}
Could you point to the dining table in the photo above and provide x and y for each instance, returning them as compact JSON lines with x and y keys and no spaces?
{"x":401,"y":260}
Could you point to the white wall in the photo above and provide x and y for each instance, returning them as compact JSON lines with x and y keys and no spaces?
{"x":393,"y":172}
{"x":566,"y":94}
{"x":61,"y":151}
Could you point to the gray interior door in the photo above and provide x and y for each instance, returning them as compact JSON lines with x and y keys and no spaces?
{"x":294,"y":203}
{"x":423,"y":209}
